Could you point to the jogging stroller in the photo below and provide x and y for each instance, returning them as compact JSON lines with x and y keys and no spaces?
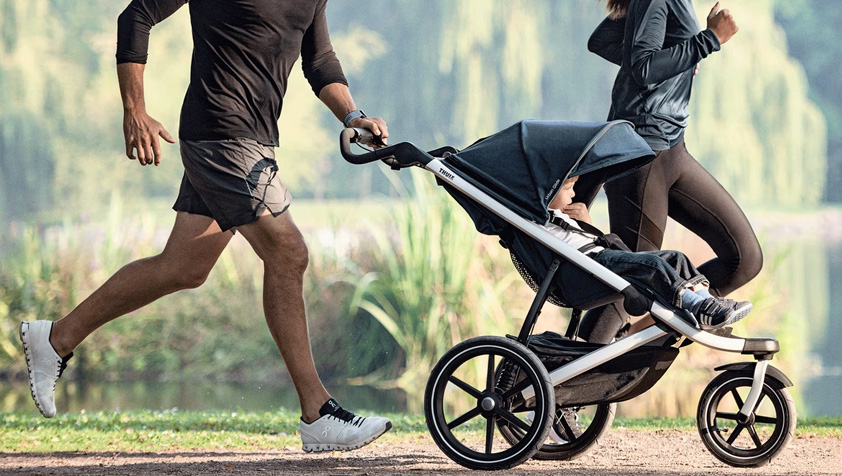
{"x":493,"y":402}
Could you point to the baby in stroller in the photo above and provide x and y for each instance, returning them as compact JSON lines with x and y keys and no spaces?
{"x":668,"y":274}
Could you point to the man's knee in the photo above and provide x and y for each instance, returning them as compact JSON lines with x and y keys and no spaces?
{"x":190,"y":278}
{"x":295,"y":256}
{"x":183,"y":274}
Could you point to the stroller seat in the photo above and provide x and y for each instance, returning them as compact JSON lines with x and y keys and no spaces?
{"x":586,"y":293}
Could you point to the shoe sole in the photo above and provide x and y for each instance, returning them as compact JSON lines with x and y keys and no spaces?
{"x":25,"y":341}
{"x":320,"y":447}
{"x":738,"y":315}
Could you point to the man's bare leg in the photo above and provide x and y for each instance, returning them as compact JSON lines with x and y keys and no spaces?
{"x":192,"y":249}
{"x":279,"y":243}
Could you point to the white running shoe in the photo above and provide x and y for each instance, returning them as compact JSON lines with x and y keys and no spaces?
{"x":43,"y":363}
{"x":339,"y":429}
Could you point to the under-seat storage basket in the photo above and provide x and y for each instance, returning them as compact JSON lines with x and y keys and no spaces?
{"x":619,"y":379}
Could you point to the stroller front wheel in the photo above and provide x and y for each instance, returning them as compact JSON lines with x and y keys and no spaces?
{"x":464,"y":402}
{"x":754,"y":442}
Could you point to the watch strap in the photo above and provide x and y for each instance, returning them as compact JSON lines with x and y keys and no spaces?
{"x":353,"y":115}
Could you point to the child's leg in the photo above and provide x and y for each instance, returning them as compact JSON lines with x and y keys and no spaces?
{"x":648,"y":270}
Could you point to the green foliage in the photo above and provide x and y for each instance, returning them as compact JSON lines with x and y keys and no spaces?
{"x":751,"y":124}
{"x":812,"y":30}
{"x":439,"y":72}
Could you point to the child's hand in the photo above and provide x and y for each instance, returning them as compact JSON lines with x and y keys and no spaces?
{"x":577,"y":211}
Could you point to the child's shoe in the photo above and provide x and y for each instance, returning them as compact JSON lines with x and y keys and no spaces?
{"x":718,"y":312}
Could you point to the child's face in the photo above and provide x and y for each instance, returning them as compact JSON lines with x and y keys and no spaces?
{"x":565,"y":195}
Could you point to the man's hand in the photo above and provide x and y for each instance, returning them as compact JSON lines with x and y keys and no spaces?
{"x":376,"y":125}
{"x":722,"y":23}
{"x":141,"y":133}
{"x":577,"y":211}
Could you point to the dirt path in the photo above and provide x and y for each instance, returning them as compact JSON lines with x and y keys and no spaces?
{"x":623,"y":452}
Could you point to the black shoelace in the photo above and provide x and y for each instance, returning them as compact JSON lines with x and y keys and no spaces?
{"x":64,"y":363}
{"x":344,"y":415}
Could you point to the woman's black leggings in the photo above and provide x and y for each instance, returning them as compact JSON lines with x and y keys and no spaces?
{"x":675,"y":185}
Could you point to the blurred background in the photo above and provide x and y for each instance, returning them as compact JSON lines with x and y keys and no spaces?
{"x":398,"y":274}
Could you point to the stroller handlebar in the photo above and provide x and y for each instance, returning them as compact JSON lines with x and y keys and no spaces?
{"x":357,"y":136}
{"x":403,"y":154}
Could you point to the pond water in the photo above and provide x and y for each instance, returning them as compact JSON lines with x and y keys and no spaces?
{"x":798,"y":300}
{"x":192,"y":396}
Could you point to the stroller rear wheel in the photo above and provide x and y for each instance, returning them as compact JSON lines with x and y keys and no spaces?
{"x":751,"y":442}
{"x":574,"y":431}
{"x":464,"y":404}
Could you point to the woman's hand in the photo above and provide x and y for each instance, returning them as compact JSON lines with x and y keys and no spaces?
{"x":722,"y":23}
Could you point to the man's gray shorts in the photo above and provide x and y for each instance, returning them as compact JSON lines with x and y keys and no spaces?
{"x":232,"y":181}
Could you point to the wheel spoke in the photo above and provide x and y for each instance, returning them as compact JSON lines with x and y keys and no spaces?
{"x":512,"y":418}
{"x":516,"y":389}
{"x":726,"y":416}
{"x":735,"y":434}
{"x":737,"y":398}
{"x":766,"y":419}
{"x":489,"y":379}
{"x":571,"y":435}
{"x":464,"y":386}
{"x":489,"y":435}
{"x":462,"y":419}
{"x":754,"y":436}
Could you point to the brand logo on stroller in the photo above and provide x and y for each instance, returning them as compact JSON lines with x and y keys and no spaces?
{"x":446,"y":173}
{"x":552,"y":190}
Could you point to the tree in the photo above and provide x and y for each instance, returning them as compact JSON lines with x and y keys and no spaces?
{"x":812,"y":31}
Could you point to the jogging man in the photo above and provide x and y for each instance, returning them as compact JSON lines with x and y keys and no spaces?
{"x":243,"y":51}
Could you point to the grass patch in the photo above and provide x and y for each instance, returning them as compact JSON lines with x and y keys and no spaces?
{"x":175,"y":430}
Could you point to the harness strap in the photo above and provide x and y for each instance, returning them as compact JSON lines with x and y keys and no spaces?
{"x":586,"y":230}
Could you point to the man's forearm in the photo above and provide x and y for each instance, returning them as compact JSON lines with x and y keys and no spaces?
{"x":130,"y":77}
{"x":337,"y":98}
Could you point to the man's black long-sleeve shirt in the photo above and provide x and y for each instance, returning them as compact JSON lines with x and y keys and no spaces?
{"x":657,"y":46}
{"x":243,"y":52}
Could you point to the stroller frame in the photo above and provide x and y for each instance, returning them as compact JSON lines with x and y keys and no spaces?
{"x":763,"y":376}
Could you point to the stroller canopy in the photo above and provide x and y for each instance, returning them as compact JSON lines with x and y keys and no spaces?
{"x":524,"y":165}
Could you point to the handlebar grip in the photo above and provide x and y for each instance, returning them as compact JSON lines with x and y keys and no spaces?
{"x":351,"y":135}
{"x":399,"y":155}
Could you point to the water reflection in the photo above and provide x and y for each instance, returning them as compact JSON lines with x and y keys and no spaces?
{"x":258,"y":397}
{"x":822,"y":391}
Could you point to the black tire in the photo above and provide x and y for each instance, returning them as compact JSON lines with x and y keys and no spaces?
{"x":757,"y":441}
{"x":462,"y":391}
{"x":593,"y":422}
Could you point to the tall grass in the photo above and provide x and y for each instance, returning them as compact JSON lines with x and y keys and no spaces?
{"x":434,"y":284}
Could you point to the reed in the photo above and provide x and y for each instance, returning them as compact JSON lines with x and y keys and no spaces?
{"x":433,"y":284}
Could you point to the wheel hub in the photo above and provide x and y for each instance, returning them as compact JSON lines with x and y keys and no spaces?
{"x":489,"y":403}
{"x":745,"y":420}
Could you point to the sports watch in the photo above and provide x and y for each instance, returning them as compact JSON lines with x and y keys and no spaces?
{"x":353,"y":115}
